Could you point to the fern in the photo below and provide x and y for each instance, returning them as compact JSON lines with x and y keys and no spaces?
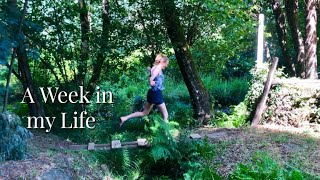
{"x":164,"y":144}
{"x":264,"y":167}
{"x":206,"y":151}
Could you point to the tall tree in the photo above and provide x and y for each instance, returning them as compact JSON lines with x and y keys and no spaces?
{"x":291,"y":7}
{"x":198,"y":93}
{"x":12,"y":8}
{"x":282,"y":33}
{"x":311,"y":40}
{"x":97,"y":65}
{"x":36,"y":108}
{"x":84,"y":54}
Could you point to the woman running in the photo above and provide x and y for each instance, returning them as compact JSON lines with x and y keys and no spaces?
{"x":154,"y":96}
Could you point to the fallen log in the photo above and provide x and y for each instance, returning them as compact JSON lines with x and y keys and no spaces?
{"x":262,"y":103}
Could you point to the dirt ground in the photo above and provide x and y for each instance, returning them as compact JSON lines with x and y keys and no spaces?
{"x":49,"y":158}
{"x":296,"y":146}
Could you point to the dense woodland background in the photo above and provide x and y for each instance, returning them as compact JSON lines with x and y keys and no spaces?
{"x":211,"y":79}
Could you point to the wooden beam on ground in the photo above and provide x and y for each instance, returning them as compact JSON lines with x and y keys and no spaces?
{"x":261,"y":105}
{"x":116,"y":144}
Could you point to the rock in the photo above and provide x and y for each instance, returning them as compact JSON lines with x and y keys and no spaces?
{"x":91,"y":146}
{"x":56,"y":174}
{"x":116,"y":144}
{"x":195,"y":136}
{"x":289,"y":147}
{"x":217,"y":135}
{"x":104,"y":167}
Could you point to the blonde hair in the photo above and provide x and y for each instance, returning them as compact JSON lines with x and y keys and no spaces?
{"x":160,"y":57}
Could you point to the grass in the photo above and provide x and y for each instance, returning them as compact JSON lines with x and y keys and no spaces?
{"x":227,"y":92}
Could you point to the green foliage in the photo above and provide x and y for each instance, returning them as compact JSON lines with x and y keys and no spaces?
{"x":237,"y":118}
{"x":285,"y":99}
{"x":163,"y":140}
{"x":263,"y":167}
{"x":13,"y":141}
{"x":226,"y":92}
{"x":227,"y":24}
{"x":241,"y":113}
{"x":206,"y":151}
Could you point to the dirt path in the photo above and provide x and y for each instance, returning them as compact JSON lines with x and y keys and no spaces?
{"x":49,"y":158}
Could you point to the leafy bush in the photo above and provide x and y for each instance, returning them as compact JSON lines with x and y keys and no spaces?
{"x":13,"y":144}
{"x":241,"y":113}
{"x":265,"y":168}
{"x":237,"y":118}
{"x":163,"y":140}
{"x":179,"y":156}
{"x":227,"y":92}
{"x":202,"y":168}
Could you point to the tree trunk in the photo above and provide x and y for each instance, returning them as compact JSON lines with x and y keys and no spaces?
{"x":84,"y":54}
{"x":97,"y":65}
{"x":199,"y":95}
{"x":311,"y":40}
{"x":13,"y":4}
{"x":35,"y":109}
{"x":281,"y":31}
{"x":293,"y":21}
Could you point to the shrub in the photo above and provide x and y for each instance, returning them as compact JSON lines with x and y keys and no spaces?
{"x":163,"y":140}
{"x":13,"y":142}
{"x":265,"y":168}
{"x":241,"y":113}
{"x":202,"y":168}
{"x":237,"y":118}
{"x":230,"y":92}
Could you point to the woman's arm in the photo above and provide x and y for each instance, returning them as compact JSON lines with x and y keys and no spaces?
{"x":154,"y":74}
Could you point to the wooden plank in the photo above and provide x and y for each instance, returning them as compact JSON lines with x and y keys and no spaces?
{"x":130,"y":146}
{"x":78,"y":147}
{"x":116,"y":144}
{"x":103,"y":148}
{"x":102,"y":145}
{"x":129,"y":143}
{"x":91,"y":146}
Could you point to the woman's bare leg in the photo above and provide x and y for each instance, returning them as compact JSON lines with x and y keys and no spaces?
{"x":163,"y":109}
{"x":147,"y":108}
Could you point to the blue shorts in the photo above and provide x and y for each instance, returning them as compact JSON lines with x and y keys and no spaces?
{"x":155,"y":97}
